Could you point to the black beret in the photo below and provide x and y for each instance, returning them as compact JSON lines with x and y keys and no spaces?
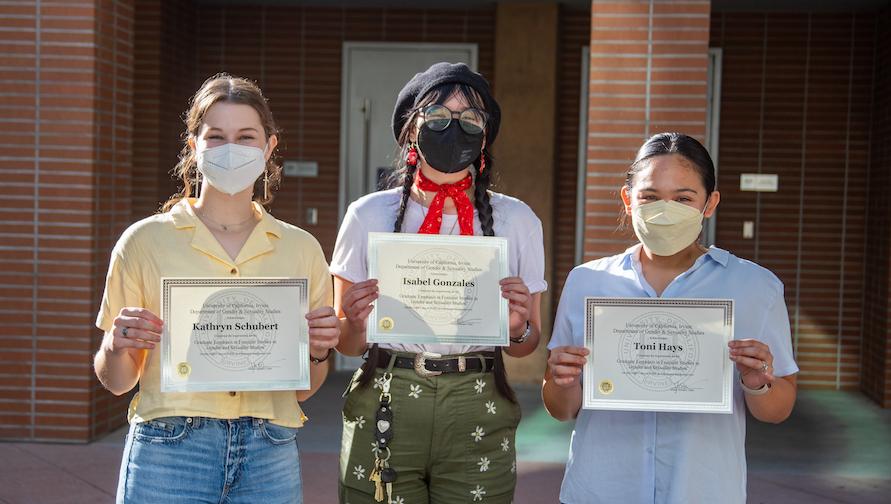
{"x":446,"y":73}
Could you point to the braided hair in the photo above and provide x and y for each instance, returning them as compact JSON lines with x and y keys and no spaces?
{"x":481,"y":193}
{"x":407,"y":178}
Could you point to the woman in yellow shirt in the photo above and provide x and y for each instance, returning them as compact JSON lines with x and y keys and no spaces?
{"x":211,"y":446}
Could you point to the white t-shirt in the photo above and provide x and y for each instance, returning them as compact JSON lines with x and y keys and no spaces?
{"x":376,"y":212}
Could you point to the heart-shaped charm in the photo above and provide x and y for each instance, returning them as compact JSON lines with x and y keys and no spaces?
{"x":383,"y":426}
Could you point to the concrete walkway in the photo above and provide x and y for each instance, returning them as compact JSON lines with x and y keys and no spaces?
{"x":836,"y":448}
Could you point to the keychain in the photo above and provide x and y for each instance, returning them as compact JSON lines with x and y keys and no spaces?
{"x":383,"y":475}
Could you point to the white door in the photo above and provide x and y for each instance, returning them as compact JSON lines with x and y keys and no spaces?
{"x":373,"y":74}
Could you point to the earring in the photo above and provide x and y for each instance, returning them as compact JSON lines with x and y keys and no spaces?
{"x":482,"y":162}
{"x":411,"y":157}
{"x":197,"y":185}
{"x":266,"y":185}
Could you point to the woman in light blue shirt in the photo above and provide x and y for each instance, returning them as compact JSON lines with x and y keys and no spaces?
{"x":647,"y":457}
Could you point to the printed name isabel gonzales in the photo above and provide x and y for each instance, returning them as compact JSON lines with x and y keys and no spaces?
{"x":437,"y":282}
{"x":238,"y":326}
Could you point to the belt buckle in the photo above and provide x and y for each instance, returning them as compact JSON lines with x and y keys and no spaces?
{"x":420,"y":364}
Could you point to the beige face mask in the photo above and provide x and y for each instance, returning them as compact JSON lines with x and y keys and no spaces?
{"x":667,"y":227}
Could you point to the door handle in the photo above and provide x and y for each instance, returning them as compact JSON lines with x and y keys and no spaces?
{"x":366,"y":141}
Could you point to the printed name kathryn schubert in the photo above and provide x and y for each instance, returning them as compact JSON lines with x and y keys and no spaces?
{"x":238,"y":326}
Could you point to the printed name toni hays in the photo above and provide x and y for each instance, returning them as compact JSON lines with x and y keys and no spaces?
{"x":436,"y":281}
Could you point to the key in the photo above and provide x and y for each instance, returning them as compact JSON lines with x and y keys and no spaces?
{"x":388,"y":477}
{"x":375,"y":476}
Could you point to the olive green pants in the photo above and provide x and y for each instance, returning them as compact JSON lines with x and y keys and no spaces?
{"x":453,"y":439}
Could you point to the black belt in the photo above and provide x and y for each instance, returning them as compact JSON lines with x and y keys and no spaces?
{"x":427,"y":364}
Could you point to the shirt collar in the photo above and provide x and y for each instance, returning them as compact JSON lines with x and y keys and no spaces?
{"x":183,"y":215}
{"x":719,"y":255}
{"x":258,"y":243}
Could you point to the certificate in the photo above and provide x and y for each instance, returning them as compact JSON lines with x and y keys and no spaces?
{"x":228,"y":334}
{"x":438,"y":289}
{"x":658,"y":355}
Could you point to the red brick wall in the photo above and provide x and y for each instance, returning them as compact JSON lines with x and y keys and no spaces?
{"x":643,"y":81}
{"x":796,"y":95}
{"x":166,"y":77}
{"x":65,"y":118}
{"x":112,"y":172}
{"x":574,"y":34}
{"x":294,"y":53}
{"x":147,"y":53}
{"x":876,"y":352}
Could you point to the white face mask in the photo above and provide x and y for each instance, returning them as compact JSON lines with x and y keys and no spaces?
{"x":231,"y":168}
{"x":667,"y":227}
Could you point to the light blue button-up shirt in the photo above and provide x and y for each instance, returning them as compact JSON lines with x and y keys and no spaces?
{"x":644,"y":457}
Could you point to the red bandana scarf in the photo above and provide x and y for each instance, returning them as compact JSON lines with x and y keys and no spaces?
{"x":433,"y":221}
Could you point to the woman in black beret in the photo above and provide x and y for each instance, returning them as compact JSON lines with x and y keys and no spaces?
{"x":449,"y":437}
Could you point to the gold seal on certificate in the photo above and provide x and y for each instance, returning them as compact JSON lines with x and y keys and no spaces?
{"x":228,"y":334}
{"x":650,"y":354}
{"x":438,"y":289}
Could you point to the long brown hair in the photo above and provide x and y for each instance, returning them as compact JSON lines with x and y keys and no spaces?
{"x":223,"y":87}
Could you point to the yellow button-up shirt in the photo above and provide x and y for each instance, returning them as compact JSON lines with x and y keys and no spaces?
{"x":178,"y":244}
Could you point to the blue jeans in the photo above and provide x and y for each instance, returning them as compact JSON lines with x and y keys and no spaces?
{"x":208,"y":460}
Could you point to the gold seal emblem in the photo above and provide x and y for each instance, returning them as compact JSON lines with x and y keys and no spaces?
{"x":183,"y":368}
{"x":386,"y":323}
{"x":606,"y":387}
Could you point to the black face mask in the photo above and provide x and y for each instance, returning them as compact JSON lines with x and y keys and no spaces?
{"x":450,"y":150}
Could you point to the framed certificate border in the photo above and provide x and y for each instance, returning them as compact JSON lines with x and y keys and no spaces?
{"x":300,"y":377}
{"x":595,"y":398}
{"x":374,"y":334}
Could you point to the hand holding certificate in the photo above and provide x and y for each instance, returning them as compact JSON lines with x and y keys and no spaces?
{"x":438,"y":289}
{"x":658,"y":354}
{"x":227,"y":334}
